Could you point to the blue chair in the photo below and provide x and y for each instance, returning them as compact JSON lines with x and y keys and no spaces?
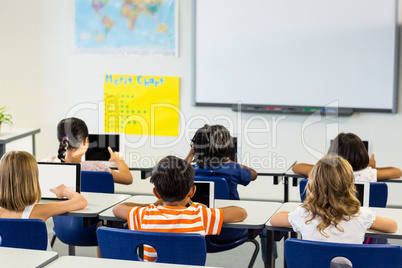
{"x":219,"y":245}
{"x":304,"y":253}
{"x":378,"y":193}
{"x":70,"y":230}
{"x":23,"y":233}
{"x":172,"y":248}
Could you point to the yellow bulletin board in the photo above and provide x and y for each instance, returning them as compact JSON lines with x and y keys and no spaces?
{"x":142,"y":105}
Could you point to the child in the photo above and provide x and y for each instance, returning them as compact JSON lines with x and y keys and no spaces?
{"x":331,"y":212}
{"x":213,"y":153}
{"x":174,"y":211}
{"x":351,"y":148}
{"x":20,"y":191}
{"x":72,"y":134}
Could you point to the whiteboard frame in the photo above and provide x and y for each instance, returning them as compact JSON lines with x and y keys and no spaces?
{"x":298,"y":109}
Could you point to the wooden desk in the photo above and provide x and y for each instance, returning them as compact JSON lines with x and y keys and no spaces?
{"x":16,"y":257}
{"x":7,"y":136}
{"x":391,"y":213}
{"x":75,"y":261}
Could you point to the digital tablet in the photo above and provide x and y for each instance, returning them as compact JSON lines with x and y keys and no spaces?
{"x":52,"y":175}
{"x":363,"y":192}
{"x":98,"y":146}
{"x":367,"y":143}
{"x":205,"y":193}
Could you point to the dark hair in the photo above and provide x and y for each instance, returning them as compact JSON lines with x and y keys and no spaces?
{"x":173,"y":178}
{"x":350,"y":147}
{"x":71,"y":132}
{"x":213,"y":145}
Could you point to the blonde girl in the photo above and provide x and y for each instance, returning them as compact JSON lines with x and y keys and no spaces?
{"x":20,"y":192}
{"x":331,"y":212}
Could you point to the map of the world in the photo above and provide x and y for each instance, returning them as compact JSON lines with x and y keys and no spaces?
{"x":126,"y":27}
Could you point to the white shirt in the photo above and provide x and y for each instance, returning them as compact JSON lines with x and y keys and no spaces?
{"x":367,"y":174}
{"x":354,"y":229}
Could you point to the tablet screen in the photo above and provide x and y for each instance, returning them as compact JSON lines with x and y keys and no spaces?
{"x":98,"y":143}
{"x":205,"y":193}
{"x":363,"y":192}
{"x":52,"y":175}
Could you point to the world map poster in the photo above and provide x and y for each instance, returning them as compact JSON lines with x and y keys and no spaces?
{"x":126,"y":27}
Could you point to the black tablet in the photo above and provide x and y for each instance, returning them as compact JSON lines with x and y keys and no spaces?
{"x":98,"y":144}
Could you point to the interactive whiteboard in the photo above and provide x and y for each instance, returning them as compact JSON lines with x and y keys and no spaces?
{"x":294,"y":54}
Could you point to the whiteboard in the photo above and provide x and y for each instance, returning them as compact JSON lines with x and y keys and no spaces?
{"x":297,"y":53}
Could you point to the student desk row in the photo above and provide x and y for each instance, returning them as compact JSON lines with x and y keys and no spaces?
{"x":15,"y":257}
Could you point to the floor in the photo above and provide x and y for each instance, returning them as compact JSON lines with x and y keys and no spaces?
{"x":238,"y":257}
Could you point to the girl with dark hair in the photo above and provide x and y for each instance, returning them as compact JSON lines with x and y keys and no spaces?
{"x":351,"y":148}
{"x":72,"y":134}
{"x":212,"y":151}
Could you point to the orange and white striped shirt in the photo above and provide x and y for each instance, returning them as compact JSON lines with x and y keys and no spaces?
{"x":192,"y":219}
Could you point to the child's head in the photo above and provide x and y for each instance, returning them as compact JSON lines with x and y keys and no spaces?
{"x":212,"y":145}
{"x":19,"y":181}
{"x":173,"y":178}
{"x":331,"y":193}
{"x":350,"y":147}
{"x":71,"y":132}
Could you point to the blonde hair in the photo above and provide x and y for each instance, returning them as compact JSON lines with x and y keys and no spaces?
{"x":19,"y":181}
{"x":331,"y":193}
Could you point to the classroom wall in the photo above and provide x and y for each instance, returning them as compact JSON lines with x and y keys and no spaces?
{"x":42,"y":81}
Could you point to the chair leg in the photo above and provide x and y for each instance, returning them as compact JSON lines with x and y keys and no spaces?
{"x":52,"y":241}
{"x":257,"y":249}
{"x":71,"y":250}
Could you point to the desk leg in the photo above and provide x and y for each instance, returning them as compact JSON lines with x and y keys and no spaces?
{"x":2,"y":150}
{"x":33,"y":145}
{"x":286,"y":189}
{"x":270,"y":262}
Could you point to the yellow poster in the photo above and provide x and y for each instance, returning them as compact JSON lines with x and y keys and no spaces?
{"x":142,"y":105}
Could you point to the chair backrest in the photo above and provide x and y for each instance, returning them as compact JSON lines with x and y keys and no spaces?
{"x":221,"y":186}
{"x":304,"y":253}
{"x":23,"y":233}
{"x":174,"y":248}
{"x":97,"y":182}
{"x":378,"y":193}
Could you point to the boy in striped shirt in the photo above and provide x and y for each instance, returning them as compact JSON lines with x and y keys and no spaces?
{"x":174,"y":211}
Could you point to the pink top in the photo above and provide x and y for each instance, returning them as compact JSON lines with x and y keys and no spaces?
{"x":85,"y":166}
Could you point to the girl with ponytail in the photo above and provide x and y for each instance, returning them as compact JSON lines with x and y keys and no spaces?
{"x":72,"y":134}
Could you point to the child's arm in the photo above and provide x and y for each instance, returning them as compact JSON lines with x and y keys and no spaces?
{"x":253,"y":172}
{"x":233,"y":214}
{"x":190,"y":156}
{"x":302,"y":169}
{"x":121,"y":210}
{"x":75,"y":201}
{"x":281,"y":219}
{"x":384,"y":225}
{"x":385,"y":172}
{"x":124,"y":175}
{"x":388,"y":173}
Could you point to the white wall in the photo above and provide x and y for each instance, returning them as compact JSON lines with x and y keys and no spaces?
{"x":42,"y":81}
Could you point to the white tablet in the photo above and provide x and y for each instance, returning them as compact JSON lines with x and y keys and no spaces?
{"x":363,"y":192}
{"x":52,"y":175}
{"x":205,"y":193}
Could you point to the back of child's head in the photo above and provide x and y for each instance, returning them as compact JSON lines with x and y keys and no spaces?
{"x":19,"y":181}
{"x":71,"y":132}
{"x":173,"y":178}
{"x":350,"y":147}
{"x":331,"y":193}
{"x":213,"y":145}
